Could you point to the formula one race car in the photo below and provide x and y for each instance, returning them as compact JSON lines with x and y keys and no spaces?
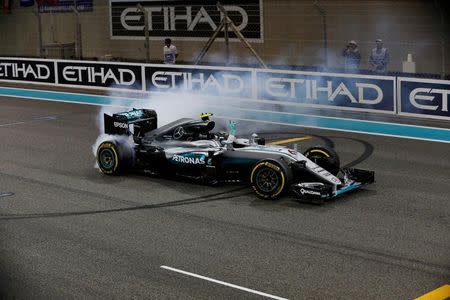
{"x":189,"y":148}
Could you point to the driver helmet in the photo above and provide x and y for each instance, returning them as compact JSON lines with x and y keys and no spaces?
{"x":206,"y":117}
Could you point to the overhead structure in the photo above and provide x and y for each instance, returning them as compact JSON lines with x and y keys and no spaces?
{"x":225,"y":25}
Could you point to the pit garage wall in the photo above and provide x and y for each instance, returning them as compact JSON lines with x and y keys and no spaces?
{"x":292,"y":34}
{"x":376,"y":94}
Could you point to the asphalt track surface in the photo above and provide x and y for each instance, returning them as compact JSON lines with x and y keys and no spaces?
{"x":67,"y":231}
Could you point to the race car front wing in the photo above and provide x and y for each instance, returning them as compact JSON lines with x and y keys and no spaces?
{"x":352,"y":179}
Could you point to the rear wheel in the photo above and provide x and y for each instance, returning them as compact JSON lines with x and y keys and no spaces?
{"x":268,"y":179}
{"x":325,"y":157}
{"x":114,"y":157}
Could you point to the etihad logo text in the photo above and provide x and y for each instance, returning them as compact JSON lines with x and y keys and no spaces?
{"x":84,"y":74}
{"x":222,"y":83}
{"x":421,"y":99}
{"x":308,"y":89}
{"x":24,"y":70}
{"x":176,"y":18}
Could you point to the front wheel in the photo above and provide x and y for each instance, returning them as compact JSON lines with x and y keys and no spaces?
{"x":268,"y":179}
{"x":325,"y":157}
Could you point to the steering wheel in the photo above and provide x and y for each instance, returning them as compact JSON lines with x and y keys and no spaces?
{"x":178,"y":133}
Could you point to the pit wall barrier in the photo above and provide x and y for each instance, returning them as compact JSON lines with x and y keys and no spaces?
{"x":416,"y":97}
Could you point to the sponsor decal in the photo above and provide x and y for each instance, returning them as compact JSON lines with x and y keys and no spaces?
{"x":27,"y":70}
{"x":188,"y":20}
{"x":66,"y":6}
{"x":121,"y":125}
{"x":309,"y":192}
{"x":424,"y":97}
{"x":327,"y":90}
{"x":133,"y":114}
{"x":192,"y":159}
{"x":270,"y":165}
{"x":215,"y":82}
{"x":100,"y":75}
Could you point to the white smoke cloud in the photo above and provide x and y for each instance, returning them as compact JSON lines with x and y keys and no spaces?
{"x":178,"y":103}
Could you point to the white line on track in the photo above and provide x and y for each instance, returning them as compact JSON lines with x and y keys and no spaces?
{"x":30,"y":121}
{"x":223,"y":283}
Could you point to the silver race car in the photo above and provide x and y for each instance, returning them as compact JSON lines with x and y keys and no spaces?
{"x":191,"y":149}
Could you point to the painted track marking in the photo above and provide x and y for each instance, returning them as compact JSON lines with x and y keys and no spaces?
{"x":223,"y":283}
{"x":37,"y":119}
{"x":5,"y":194}
{"x":441,"y":293}
{"x":292,"y":140}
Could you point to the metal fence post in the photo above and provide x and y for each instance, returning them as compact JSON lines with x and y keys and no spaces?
{"x":78,"y":48}
{"x":324,"y":24}
{"x":227,"y":39}
{"x":38,"y":15}
{"x":147,"y":38}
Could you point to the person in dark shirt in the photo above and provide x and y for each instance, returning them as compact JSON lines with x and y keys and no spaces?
{"x":352,"y":57}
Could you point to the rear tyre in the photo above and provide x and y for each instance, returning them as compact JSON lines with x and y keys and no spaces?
{"x":325,"y":157}
{"x":268,"y":179}
{"x":114,"y":157}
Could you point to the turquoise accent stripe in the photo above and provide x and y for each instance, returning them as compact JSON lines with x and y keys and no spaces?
{"x":68,"y":97}
{"x":347,"y":189}
{"x":353,"y":125}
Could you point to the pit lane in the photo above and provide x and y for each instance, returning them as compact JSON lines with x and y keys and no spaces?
{"x":69,"y":231}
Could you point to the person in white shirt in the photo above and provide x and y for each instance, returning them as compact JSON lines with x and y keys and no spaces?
{"x":170,"y":52}
{"x":379,"y":58}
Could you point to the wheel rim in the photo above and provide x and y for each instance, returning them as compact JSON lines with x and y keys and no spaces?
{"x":106,"y":159}
{"x":267,"y":180}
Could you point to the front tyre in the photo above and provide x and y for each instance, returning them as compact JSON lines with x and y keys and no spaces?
{"x":268,"y":179}
{"x":114,"y":157}
{"x":325,"y":157}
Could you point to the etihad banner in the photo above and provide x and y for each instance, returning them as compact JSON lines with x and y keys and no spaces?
{"x":426,"y":98}
{"x":309,"y":89}
{"x":102,"y":75}
{"x":312,"y":89}
{"x":38,"y":71}
{"x":220,"y":82}
{"x":185,"y":20}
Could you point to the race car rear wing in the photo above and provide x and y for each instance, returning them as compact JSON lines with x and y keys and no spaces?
{"x":143,"y":121}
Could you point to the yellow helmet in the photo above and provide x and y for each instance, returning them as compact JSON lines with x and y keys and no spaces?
{"x":205,"y":117}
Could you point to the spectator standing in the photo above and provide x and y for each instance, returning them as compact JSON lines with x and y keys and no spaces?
{"x":352,"y":57}
{"x":170,"y":52}
{"x":379,"y":58}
